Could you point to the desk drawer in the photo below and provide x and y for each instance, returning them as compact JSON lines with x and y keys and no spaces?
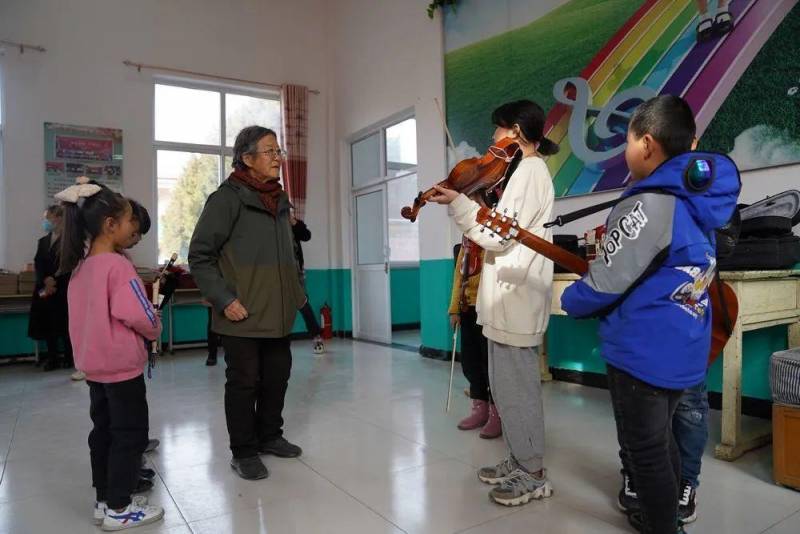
{"x":766,"y":296}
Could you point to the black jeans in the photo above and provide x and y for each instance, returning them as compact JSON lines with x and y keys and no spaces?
{"x":643,"y":414}
{"x":257,"y":373}
{"x":118,"y":439}
{"x":474,"y":355}
{"x":310,"y":319}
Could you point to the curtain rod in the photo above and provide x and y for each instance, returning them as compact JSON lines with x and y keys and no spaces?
{"x":140,"y":66}
{"x":23,"y":46}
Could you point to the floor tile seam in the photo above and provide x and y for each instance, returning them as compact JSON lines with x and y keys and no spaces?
{"x":10,"y":444}
{"x":510,"y":512}
{"x":393,"y":432}
{"x":155,"y":468}
{"x":796,"y":512}
{"x":590,"y":513}
{"x":356,"y":499}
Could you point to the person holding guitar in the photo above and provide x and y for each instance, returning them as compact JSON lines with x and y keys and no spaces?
{"x":513,"y":304}
{"x":649,"y":285}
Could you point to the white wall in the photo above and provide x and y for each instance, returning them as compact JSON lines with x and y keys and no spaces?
{"x":81,"y":80}
{"x":386,"y":57}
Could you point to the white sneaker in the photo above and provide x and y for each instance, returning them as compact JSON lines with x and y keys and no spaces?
{"x":100,"y":508}
{"x":134,"y":515}
{"x":78,"y":375}
{"x":99,"y":512}
{"x":319,"y":346}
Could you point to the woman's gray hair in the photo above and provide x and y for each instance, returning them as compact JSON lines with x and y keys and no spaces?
{"x":247,"y":142}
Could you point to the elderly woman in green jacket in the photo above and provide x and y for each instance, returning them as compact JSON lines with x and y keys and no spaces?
{"x":242,"y":258}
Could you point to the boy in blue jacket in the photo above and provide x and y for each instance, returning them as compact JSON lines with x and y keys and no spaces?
{"x":649,"y":286}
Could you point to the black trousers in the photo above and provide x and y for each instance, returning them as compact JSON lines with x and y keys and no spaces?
{"x":643,"y":414}
{"x":212,"y":337}
{"x":474,"y":355}
{"x":257,"y":373}
{"x":52,"y":349}
{"x":118,"y":439}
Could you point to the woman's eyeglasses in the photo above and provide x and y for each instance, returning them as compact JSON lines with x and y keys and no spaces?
{"x":272,"y":153}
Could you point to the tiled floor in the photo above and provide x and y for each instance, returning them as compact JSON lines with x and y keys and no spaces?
{"x":409,"y":338}
{"x":381,"y":456}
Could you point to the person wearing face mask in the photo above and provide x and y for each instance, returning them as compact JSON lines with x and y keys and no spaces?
{"x":48,"y":315}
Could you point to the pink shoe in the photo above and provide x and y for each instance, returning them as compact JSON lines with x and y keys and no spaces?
{"x":478,"y":417}
{"x":493,"y":427}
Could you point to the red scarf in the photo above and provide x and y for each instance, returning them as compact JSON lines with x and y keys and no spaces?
{"x":269,"y":192}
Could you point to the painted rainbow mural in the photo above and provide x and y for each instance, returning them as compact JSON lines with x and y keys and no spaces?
{"x":654,"y":52}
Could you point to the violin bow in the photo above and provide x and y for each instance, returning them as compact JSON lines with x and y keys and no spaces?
{"x":444,"y":124}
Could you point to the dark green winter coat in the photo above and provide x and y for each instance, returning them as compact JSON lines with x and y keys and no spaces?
{"x":239,"y":250}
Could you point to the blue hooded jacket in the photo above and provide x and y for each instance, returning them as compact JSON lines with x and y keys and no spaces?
{"x":649,"y":283}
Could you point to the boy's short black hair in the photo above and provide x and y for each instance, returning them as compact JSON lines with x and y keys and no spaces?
{"x":669,"y":120}
{"x":141,"y":216}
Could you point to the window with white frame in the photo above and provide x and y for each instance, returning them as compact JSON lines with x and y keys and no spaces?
{"x":195,"y":128}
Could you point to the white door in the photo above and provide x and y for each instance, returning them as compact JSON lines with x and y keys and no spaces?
{"x":373,"y":319}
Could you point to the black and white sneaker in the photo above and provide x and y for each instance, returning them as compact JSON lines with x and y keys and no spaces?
{"x":687,"y":503}
{"x":628,"y":500}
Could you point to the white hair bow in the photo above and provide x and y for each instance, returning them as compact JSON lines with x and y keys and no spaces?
{"x":76,"y":194}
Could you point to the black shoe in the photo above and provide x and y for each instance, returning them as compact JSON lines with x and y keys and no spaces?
{"x":635,"y":520}
{"x":152,"y":445}
{"x":723,"y":23}
{"x":687,"y":504}
{"x":628,"y":500}
{"x":280,"y":448}
{"x":146,"y":472}
{"x":211,"y":360}
{"x":250,"y":468}
{"x":143,"y":486}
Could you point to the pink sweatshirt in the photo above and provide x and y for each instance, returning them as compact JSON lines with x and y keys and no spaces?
{"x":110,"y":316}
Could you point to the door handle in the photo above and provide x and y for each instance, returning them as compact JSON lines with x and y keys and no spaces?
{"x":386,"y":267}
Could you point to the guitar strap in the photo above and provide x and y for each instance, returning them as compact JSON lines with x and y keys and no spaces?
{"x":561,"y":220}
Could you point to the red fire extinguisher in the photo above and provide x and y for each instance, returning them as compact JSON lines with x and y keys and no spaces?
{"x":327,"y":321}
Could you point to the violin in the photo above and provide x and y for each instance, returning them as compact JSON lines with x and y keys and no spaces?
{"x":471,"y":175}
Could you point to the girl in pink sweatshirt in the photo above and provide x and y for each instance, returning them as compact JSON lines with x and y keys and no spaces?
{"x":110,"y":317}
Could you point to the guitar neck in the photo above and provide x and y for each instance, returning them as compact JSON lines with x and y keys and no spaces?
{"x":567,"y":260}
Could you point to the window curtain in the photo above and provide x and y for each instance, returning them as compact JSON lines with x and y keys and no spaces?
{"x":294,"y":117}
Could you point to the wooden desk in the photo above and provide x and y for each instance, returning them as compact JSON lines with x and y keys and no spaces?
{"x":766,"y":298}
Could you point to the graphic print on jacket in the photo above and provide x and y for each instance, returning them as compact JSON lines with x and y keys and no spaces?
{"x":692,"y":296}
{"x":649,"y":285}
{"x":628,"y":226}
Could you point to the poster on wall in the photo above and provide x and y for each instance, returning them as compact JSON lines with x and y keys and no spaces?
{"x":589,"y":63}
{"x":72,"y":151}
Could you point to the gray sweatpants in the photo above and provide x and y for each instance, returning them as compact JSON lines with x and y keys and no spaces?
{"x":516,"y":386}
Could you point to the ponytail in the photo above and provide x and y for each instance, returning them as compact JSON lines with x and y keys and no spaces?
{"x":547,"y":147}
{"x":85,"y":211}
{"x":530,"y":118}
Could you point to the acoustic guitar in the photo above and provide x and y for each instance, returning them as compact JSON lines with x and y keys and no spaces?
{"x":724,"y":304}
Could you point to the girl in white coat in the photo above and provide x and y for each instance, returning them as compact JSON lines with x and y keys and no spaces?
{"x":514,"y":303}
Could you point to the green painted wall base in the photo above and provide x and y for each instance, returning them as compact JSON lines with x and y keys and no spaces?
{"x":436,"y":281}
{"x":573,"y":345}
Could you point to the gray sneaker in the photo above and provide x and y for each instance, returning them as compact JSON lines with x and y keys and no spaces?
{"x":520,"y":487}
{"x":497,"y":474}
